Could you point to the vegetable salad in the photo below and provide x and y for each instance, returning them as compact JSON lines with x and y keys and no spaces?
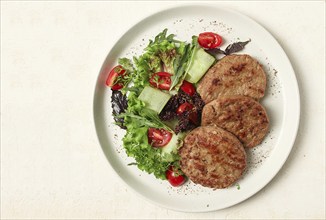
{"x":154,"y":98}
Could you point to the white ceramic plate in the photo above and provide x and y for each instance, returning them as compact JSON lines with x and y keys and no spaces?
{"x":281,"y":101}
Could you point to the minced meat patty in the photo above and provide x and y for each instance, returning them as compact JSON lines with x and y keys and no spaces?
{"x":233,"y":75}
{"x":212,"y":157}
{"x":242,"y":116}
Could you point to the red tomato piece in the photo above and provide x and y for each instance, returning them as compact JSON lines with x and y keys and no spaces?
{"x":158,"y":137}
{"x":209,"y":40}
{"x":193,"y":117}
{"x":117,"y":86}
{"x":184,"y":107}
{"x":114,"y":75}
{"x":174,"y":178}
{"x":161,"y":80}
{"x":188,"y":88}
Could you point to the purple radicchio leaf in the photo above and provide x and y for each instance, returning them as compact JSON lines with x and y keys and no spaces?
{"x":215,"y":51}
{"x":119,"y":104}
{"x":235,"y":47}
{"x":231,"y":48}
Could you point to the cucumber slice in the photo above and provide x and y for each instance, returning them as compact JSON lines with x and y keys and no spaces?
{"x":171,"y":123}
{"x":172,"y":147}
{"x":154,"y":98}
{"x":201,"y":63}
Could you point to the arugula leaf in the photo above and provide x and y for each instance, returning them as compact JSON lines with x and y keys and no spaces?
{"x":147,"y":118}
{"x":153,"y":116}
{"x":180,"y":66}
{"x":160,"y":37}
{"x":195,"y":46}
{"x":183,"y":64}
{"x":141,"y":121}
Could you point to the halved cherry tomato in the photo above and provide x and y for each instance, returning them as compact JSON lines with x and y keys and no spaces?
{"x":161,"y":80}
{"x":188,"y":88}
{"x":174,"y":178}
{"x":158,"y":137}
{"x":193,"y":117}
{"x":112,"y":80}
{"x":209,"y":40}
{"x":184,"y":107}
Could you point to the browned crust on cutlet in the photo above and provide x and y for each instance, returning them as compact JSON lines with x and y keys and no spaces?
{"x":242,"y":116}
{"x":233,"y":75}
{"x":212,"y":157}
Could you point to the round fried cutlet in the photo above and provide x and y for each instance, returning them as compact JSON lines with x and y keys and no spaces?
{"x":212,"y":157}
{"x":233,"y":75}
{"x":242,"y":116}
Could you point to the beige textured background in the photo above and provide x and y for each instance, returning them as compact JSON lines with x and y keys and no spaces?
{"x":52,"y":166}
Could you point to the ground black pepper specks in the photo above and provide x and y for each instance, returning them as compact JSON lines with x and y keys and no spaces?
{"x":273,"y":87}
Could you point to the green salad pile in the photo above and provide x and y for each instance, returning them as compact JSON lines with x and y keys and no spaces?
{"x":163,"y":53}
